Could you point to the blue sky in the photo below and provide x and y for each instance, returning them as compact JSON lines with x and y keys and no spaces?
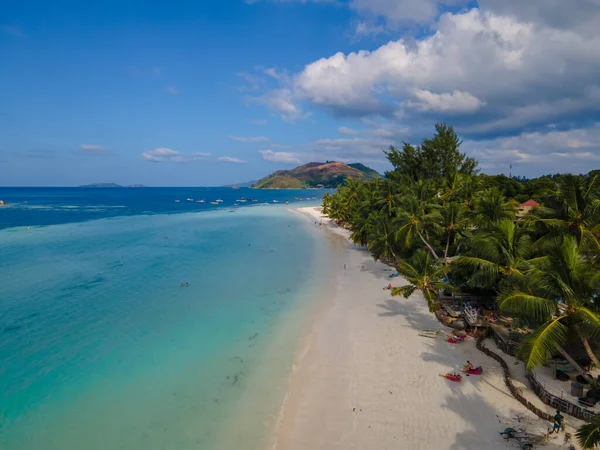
{"x":214,"y":92}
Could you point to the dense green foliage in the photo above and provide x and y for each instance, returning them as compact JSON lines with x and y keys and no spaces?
{"x":445,"y":226}
{"x":330,"y":174}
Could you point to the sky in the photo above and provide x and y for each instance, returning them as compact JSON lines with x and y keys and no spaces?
{"x":213,"y":92}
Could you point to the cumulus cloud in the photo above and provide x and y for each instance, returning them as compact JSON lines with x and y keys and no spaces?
{"x":282,"y":102}
{"x":229,"y":159}
{"x":249,"y":139}
{"x":457,"y":101}
{"x":170,"y":155}
{"x":282,"y":157}
{"x":473,"y":61}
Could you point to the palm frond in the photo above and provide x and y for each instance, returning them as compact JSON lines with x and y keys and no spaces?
{"x":521,"y":303}
{"x":541,"y":345}
{"x":588,"y":321}
{"x":405,"y":291}
{"x":588,"y":435}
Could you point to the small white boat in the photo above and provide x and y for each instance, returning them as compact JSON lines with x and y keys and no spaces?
{"x":219,"y":201}
{"x":190,"y":199}
{"x":200,"y":201}
{"x":275,"y":201}
{"x":177,"y":201}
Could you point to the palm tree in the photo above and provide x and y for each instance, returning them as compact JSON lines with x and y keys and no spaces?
{"x":558,"y":293}
{"x":573,"y":210}
{"x":454,"y":222}
{"x":381,"y":236}
{"x":498,"y":256}
{"x":424,"y":274}
{"x":492,"y":207}
{"x":418,"y":218}
{"x":390,"y":197}
{"x":588,"y":435}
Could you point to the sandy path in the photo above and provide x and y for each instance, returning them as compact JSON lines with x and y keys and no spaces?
{"x":366,"y":380}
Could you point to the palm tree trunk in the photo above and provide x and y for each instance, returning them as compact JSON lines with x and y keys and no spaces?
{"x":433,"y":253}
{"x":569,"y":358}
{"x":446,"y":250}
{"x":589,"y":351}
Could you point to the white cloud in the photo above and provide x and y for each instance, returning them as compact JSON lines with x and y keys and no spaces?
{"x":249,"y":139}
{"x":540,"y":152}
{"x":173,"y":90}
{"x":368,"y":29}
{"x":394,"y":11}
{"x":346,"y":130}
{"x":457,"y":101}
{"x":474,"y":60}
{"x":272,"y":72}
{"x":282,"y":102}
{"x":282,"y":157}
{"x":169,"y":155}
{"x":229,"y":159}
{"x":93,"y":149}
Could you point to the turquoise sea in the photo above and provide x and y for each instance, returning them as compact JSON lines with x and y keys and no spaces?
{"x":102,"y":348}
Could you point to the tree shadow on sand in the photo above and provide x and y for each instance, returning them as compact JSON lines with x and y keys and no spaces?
{"x":417,"y":316}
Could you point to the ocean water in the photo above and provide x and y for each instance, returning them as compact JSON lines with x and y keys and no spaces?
{"x":102,"y":348}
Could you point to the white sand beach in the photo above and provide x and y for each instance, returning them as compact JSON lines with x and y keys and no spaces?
{"x":365,"y":379}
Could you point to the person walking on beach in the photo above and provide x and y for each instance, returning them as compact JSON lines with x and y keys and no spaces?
{"x":344,"y":266}
{"x":558,"y":422}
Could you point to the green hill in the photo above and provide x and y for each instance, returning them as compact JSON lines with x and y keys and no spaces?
{"x":330,"y":174}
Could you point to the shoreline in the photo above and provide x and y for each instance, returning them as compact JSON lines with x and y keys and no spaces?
{"x":364,"y":379}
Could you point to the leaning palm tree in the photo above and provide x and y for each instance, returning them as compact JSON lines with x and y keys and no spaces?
{"x":425,"y":274}
{"x":498,"y":256}
{"x":558,"y":294}
{"x":588,"y":435}
{"x":418,"y":219}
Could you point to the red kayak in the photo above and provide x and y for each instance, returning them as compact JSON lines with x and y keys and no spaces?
{"x":452,"y":376}
{"x":475,"y":371}
{"x":457,"y":339}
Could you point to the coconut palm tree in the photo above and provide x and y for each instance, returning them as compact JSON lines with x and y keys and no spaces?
{"x":425,"y":274}
{"x":498,"y":256}
{"x":492,"y":207}
{"x":418,"y":219}
{"x":453,"y":222}
{"x":588,"y":435}
{"x":574,"y":209}
{"x":381,"y":236}
{"x":558,"y":293}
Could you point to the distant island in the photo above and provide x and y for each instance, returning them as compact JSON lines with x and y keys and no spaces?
{"x":241,"y":185}
{"x":329,"y":174}
{"x":109,"y":185}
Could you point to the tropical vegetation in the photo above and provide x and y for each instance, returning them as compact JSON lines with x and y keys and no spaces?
{"x":446,"y":226}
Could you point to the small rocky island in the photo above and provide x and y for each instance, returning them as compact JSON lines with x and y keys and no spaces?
{"x":329,"y":174}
